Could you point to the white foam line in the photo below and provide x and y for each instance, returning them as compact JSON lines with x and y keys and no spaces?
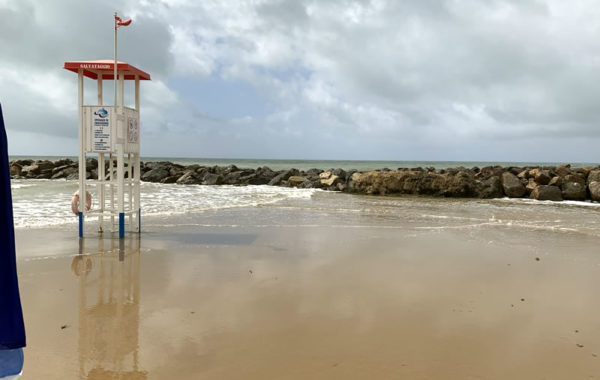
{"x":507,"y":224}
{"x":549,"y":203}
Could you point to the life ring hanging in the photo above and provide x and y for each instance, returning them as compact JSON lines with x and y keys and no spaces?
{"x":75,"y":202}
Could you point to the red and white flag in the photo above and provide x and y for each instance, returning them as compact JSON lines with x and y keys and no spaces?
{"x":120,"y":22}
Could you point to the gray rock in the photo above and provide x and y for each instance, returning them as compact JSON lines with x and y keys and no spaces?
{"x":512,"y":186}
{"x":574,"y":191}
{"x":155,"y":175}
{"x":524,"y":174}
{"x":30,"y":170}
{"x":282,"y":177}
{"x":542,"y":177}
{"x":579,"y":178}
{"x":170,"y":179}
{"x":15,"y":170}
{"x":340,"y":173}
{"x":594,"y":188}
{"x":212,"y":179}
{"x":232,"y":178}
{"x":66,"y":172}
{"x":295,"y":180}
{"x":64,"y":161}
{"x":593,"y":176}
{"x":563,"y":170}
{"x":91,"y":163}
{"x":531,"y":185}
{"x":490,"y":188}
{"x":256,"y":179}
{"x":331,"y":181}
{"x":189,"y":178}
{"x":462,"y":184}
{"x":547,"y":193}
{"x":306,"y":185}
{"x":556,"y":181}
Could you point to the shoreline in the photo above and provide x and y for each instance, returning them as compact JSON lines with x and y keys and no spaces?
{"x":344,"y":297}
{"x":554,"y":183}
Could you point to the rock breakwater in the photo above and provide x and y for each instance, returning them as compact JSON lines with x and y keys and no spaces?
{"x":555,"y":183}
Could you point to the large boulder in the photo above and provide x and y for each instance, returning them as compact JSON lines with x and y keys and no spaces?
{"x":276,"y":180}
{"x":189,"y":178}
{"x":490,"y":188}
{"x":232,"y":178}
{"x":374,"y":182}
{"x":170,"y":179}
{"x":563,"y":170}
{"x":547,"y":193}
{"x":542,"y":177}
{"x":462,"y":184}
{"x":340,"y":173}
{"x":524,"y":174}
{"x":64,"y":161}
{"x":212,"y":179}
{"x":556,"y":181}
{"x":489,"y":171}
{"x":296,"y":181}
{"x":512,"y":186}
{"x":155,"y":175}
{"x":44,"y":165}
{"x":531,"y":185}
{"x":332,"y":180}
{"x":66,"y":172}
{"x":593,"y":176}
{"x":15,"y":169}
{"x":577,"y":177}
{"x":91,"y":163}
{"x":594,"y":188}
{"x":30,"y":170}
{"x":574,"y":191}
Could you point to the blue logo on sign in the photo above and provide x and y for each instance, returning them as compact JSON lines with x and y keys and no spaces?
{"x":101,"y":112}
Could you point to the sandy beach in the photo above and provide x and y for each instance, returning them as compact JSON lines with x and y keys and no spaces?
{"x":308,"y":291}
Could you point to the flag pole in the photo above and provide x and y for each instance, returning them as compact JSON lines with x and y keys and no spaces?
{"x":115,"y":68}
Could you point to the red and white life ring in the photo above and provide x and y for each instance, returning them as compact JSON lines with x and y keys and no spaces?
{"x":75,"y":202}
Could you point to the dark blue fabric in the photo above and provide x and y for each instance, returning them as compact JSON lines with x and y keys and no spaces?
{"x":12,"y":329}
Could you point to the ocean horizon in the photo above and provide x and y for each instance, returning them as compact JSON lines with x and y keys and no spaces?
{"x":304,"y":164}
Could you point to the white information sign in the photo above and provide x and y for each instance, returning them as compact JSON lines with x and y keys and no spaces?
{"x":133,"y":131}
{"x":101,"y":130}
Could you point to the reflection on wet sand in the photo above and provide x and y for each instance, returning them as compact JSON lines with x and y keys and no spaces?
{"x":109,"y":308}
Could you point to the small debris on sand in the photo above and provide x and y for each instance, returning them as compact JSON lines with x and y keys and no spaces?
{"x":537,"y":259}
{"x":579,"y":345}
{"x":250,"y":271}
{"x":64,"y":327}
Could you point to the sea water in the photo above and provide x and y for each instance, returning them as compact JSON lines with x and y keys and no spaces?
{"x":326,"y":164}
{"x":43,"y":203}
{"x":46,"y":203}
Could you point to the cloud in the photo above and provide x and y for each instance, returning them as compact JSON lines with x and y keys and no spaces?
{"x":337,"y":79}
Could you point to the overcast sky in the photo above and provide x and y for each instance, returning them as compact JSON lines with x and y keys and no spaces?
{"x":512,"y":80}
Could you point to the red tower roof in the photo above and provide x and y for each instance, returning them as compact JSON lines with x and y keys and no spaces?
{"x":106,"y":67}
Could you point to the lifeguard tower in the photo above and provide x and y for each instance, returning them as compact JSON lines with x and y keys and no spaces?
{"x":113,"y":134}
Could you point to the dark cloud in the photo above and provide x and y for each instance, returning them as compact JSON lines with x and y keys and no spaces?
{"x":343,"y":79}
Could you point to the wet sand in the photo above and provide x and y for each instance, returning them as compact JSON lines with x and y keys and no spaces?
{"x":321,"y":301}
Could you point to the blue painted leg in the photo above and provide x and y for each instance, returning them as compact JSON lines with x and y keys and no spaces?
{"x":121,"y":225}
{"x":80,"y":224}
